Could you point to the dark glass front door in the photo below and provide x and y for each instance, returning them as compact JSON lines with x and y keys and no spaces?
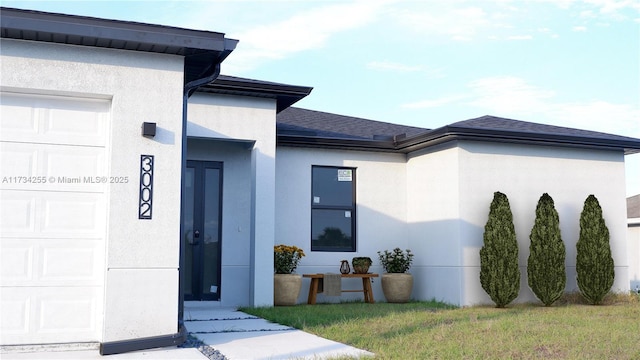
{"x":202,"y":217}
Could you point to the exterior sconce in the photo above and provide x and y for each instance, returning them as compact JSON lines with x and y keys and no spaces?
{"x":148,"y":129}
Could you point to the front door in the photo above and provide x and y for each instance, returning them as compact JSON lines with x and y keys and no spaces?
{"x":202,"y":230}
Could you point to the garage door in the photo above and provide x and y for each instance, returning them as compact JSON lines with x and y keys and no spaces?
{"x":53,"y":218}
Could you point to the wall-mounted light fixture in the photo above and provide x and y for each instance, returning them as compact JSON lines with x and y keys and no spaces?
{"x":148,"y":129}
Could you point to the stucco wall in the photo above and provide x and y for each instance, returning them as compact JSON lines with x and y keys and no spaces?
{"x":524,"y":173}
{"x":434,"y":223}
{"x":451,"y":190}
{"x":380,"y":212}
{"x":437,"y":202}
{"x":141,"y":264}
{"x":249,"y":188}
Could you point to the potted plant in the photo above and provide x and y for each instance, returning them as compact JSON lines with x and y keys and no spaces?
{"x":286,"y":284}
{"x":361,"y":264}
{"x":397,"y":284}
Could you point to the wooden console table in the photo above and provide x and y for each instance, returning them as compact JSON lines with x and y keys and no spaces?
{"x":366,"y":286}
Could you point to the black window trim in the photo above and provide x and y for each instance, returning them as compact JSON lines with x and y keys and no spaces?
{"x":352,"y":208}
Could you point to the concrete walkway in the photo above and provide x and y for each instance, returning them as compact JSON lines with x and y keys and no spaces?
{"x":241,"y":336}
{"x":236,"y":335}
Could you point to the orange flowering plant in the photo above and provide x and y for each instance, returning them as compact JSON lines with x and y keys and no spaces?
{"x":286,"y":258}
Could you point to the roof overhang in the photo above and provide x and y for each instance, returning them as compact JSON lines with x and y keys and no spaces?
{"x":200,"y":48}
{"x":285,"y":95}
{"x":453,"y":133}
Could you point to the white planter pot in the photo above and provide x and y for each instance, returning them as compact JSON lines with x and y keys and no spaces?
{"x":397,"y":287}
{"x":286,"y":289}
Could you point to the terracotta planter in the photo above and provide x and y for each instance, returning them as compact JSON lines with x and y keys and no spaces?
{"x":286,"y":289}
{"x":397,"y":287}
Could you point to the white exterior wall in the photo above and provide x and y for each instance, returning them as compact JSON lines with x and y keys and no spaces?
{"x":248,"y":188}
{"x":140,"y":287}
{"x":380,"y":210}
{"x":436,"y":203}
{"x":433,"y":219}
{"x":524,"y":173}
{"x":451,"y":190}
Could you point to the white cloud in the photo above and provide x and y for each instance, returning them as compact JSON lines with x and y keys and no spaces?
{"x":614,"y":6}
{"x":303,"y":31}
{"x":507,"y":94}
{"x":613,"y":9}
{"x":579,"y":28}
{"x":443,"y":19}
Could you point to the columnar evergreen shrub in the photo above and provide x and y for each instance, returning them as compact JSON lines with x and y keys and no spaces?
{"x":594,"y":263}
{"x":499,"y":272}
{"x":545,"y":267}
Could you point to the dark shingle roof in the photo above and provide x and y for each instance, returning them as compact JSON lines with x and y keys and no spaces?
{"x":494,"y":123}
{"x":300,"y":127}
{"x":323,"y":124}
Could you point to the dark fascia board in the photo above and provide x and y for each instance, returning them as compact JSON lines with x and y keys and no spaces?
{"x":336,"y":143}
{"x":172,"y":39}
{"x":452,"y":133}
{"x":201,"y":48}
{"x":286,"y":95}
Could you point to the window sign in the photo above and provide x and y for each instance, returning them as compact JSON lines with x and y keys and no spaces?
{"x":345,"y":175}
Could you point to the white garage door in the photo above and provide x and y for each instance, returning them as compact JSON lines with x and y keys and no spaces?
{"x":53,"y":218}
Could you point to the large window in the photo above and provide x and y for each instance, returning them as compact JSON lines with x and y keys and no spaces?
{"x":333,"y":208}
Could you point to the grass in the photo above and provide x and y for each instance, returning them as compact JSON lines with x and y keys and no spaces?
{"x":431,"y":330}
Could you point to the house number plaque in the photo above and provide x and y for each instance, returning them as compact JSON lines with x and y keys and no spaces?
{"x":146,"y":187}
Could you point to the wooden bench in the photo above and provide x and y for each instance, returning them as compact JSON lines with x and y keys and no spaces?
{"x":366,"y":286}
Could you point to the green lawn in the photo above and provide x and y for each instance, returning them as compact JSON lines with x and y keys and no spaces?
{"x":431,"y":330}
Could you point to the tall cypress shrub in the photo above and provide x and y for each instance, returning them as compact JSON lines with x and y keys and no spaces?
{"x":594,"y":263}
{"x":546,"y":270}
{"x":499,"y":271}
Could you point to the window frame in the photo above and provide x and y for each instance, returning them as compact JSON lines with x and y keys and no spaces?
{"x":319,"y":206}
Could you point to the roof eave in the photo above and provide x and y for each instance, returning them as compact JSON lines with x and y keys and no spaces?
{"x":335,"y":143}
{"x":450,"y":133}
{"x":113,"y":30}
{"x":285,"y":95}
{"x":200,"y":48}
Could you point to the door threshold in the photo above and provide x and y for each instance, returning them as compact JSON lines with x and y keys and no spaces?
{"x":196,"y":304}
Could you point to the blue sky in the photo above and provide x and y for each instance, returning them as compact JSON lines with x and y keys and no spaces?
{"x":427,"y":63}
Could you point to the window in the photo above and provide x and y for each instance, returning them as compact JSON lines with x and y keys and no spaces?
{"x":333,"y":208}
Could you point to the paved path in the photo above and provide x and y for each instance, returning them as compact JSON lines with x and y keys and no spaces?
{"x":241,"y":336}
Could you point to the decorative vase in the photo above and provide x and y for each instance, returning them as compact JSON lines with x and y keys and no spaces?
{"x":286,"y":289}
{"x":397,"y":287}
{"x":361,"y":265}
{"x":344,"y":267}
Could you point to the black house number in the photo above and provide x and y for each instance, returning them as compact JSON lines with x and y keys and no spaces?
{"x":146,"y":187}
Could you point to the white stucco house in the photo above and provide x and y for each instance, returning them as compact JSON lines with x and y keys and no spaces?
{"x":135,"y":177}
